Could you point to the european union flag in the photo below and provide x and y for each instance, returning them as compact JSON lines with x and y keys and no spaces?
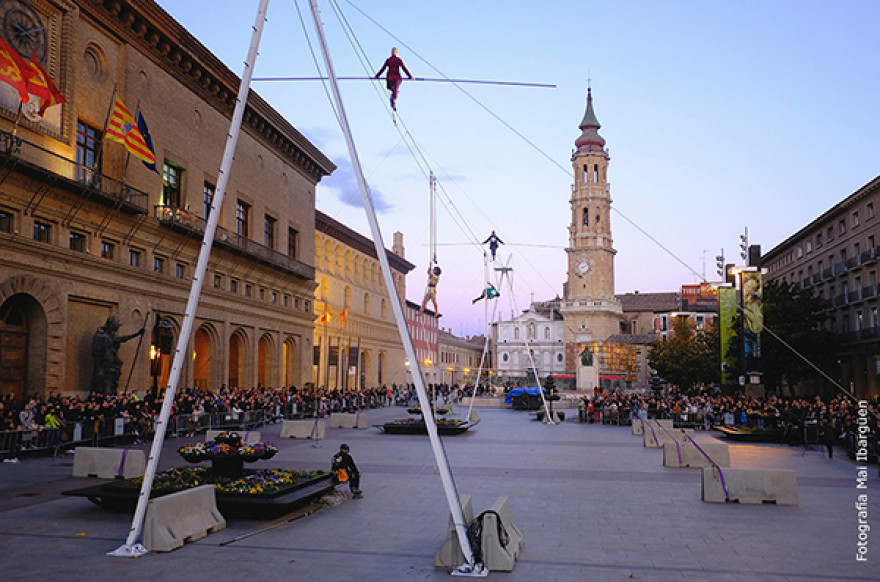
{"x":142,"y":127}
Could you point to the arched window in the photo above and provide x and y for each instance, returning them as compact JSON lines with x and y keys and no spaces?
{"x":596,"y":173}
{"x":586,"y":216}
{"x":532,"y":330}
{"x":546,"y":333}
{"x":516,"y":333}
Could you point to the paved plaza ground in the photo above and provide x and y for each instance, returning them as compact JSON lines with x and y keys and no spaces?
{"x":593,"y":505}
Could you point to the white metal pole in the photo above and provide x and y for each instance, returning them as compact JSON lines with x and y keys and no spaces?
{"x":442,"y":465}
{"x":132,"y":547}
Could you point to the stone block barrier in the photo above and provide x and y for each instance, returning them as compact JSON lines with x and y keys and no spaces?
{"x":749,"y":486}
{"x":106,"y":463}
{"x":303,"y":429}
{"x":687,"y":454}
{"x":358,"y":419}
{"x":185,"y":516}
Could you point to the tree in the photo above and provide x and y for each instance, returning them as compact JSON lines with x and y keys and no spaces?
{"x":795,"y":317}
{"x":688,"y":357}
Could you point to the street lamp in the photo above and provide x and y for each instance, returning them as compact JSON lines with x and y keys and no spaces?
{"x":154,"y":368}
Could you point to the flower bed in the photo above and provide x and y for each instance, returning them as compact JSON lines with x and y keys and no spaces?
{"x":252,"y":482}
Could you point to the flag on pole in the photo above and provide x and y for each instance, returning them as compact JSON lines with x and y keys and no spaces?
{"x":142,"y":127}
{"x":42,"y":86}
{"x":14,"y":71}
{"x":122,"y":129}
{"x":343,"y":315}
{"x":325,"y":319}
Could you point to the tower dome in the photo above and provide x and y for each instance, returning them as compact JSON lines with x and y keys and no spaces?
{"x":589,"y":140}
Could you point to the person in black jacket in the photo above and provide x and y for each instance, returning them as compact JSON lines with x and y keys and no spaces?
{"x":343,"y":460}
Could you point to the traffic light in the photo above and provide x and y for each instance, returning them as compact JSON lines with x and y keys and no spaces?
{"x":744,"y":245}
{"x":719,"y":264}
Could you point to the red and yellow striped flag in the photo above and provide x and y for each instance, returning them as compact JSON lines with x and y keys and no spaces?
{"x":122,"y":128}
{"x":14,"y":70}
{"x":42,"y":86}
{"x":325,"y":319}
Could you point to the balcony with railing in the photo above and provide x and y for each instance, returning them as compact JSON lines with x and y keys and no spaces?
{"x":860,"y":335}
{"x":29,"y":158}
{"x":186,"y":222}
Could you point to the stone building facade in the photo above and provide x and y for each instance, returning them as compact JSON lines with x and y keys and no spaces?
{"x":461,"y":359}
{"x":359,"y":344}
{"x":88,"y":232}
{"x":836,"y":257}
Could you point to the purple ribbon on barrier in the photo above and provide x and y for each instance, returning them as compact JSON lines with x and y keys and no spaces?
{"x":121,"y":472}
{"x":246,"y":435}
{"x":715,"y":465}
{"x":678,"y":449}
{"x":357,"y":416}
{"x":314,"y":429}
{"x":654,"y":434}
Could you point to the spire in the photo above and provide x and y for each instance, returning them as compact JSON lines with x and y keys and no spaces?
{"x":589,"y":140}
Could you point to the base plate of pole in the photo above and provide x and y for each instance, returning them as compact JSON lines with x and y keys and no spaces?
{"x":126,"y":551}
{"x":471,"y":571}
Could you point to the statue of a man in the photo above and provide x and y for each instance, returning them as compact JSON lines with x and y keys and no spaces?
{"x":105,"y":356}
{"x":587,"y":356}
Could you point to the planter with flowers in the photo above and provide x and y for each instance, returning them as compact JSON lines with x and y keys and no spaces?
{"x":249,"y":493}
{"x":227,"y":454}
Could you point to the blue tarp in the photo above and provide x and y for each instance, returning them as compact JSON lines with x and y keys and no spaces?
{"x":516,"y":392}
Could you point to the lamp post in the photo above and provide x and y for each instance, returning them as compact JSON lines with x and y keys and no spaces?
{"x":154,"y":369}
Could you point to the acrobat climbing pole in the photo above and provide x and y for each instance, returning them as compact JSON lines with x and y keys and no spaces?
{"x":471,"y":568}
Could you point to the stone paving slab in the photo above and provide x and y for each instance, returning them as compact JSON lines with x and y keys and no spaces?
{"x":592,"y":503}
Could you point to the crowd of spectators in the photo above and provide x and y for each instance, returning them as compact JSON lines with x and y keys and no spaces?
{"x":834,"y":417}
{"x":47,"y":420}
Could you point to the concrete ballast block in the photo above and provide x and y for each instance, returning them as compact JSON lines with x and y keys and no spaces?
{"x":497,"y":557}
{"x":349,"y":420}
{"x":690,"y":456}
{"x":303,"y":429}
{"x":750,"y":485}
{"x":185,"y":516}
{"x":107,"y":463}
{"x":656,"y":438}
{"x":449,"y":555}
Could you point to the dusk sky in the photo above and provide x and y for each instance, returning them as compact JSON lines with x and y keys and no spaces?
{"x":718,"y":116}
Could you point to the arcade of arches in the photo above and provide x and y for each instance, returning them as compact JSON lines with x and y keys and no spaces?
{"x":245,"y":360}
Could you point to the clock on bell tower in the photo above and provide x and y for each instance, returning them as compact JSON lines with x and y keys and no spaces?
{"x":590,"y":310}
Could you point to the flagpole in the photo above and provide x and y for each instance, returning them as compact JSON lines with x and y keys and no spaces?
{"x":137,"y":109}
{"x":100,"y":153}
{"x":132,"y":547}
{"x":136,"y":353}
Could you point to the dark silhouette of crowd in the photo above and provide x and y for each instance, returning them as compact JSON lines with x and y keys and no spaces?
{"x":42,"y":421}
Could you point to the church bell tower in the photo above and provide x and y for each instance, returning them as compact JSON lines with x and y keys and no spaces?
{"x":590,"y":310}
